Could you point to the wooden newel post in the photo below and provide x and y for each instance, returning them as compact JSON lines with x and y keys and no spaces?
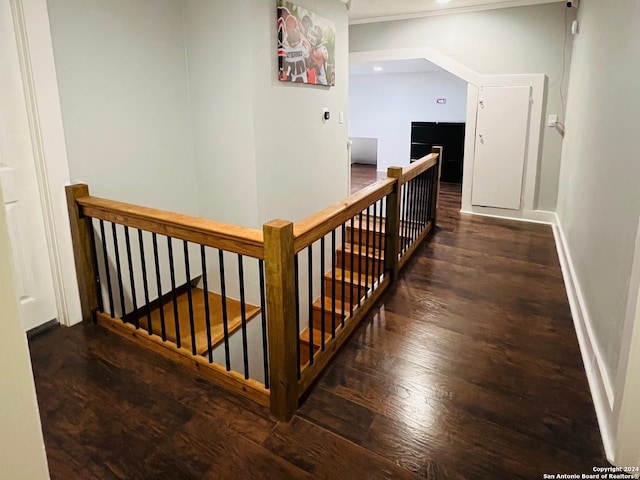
{"x":281,"y":317}
{"x":436,"y":191}
{"x":83,"y":251}
{"x":392,"y":225}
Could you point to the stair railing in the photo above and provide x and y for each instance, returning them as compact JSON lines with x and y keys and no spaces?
{"x":418,"y":197}
{"x":310,"y":283}
{"x":150,"y":274}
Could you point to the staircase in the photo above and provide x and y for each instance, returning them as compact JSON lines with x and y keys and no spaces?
{"x":357,"y":267}
{"x":118,"y":245}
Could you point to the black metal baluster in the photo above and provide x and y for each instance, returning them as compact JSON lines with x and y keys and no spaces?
{"x":243,"y":316}
{"x":366,"y":258}
{"x":118,"y":269}
{"x":322,"y":320}
{"x":163,"y":327}
{"x":173,"y":293}
{"x":420,"y":202}
{"x":434,"y":186}
{"x":366,"y":265}
{"x":425,"y":200}
{"x":376,"y":253}
{"x":352,"y":258}
{"x":310,"y":275}
{"x":225,"y":319}
{"x":136,"y":320}
{"x":96,"y":269}
{"x":145,"y":283}
{"x":381,"y":240}
{"x":333,"y":283}
{"x":296,"y":272}
{"x":106,"y":268}
{"x":405,"y":223}
{"x":409,"y":187}
{"x":415,"y":206}
{"x":407,"y":214}
{"x":192,"y":324}
{"x":207,"y":313}
{"x":263,"y":314}
{"x":344,"y":272}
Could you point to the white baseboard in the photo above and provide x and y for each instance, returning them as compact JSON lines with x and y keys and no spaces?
{"x":600,"y":384}
{"x":533,"y":216}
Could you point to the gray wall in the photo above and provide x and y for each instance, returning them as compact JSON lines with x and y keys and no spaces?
{"x":125,"y":100}
{"x":175,"y":104}
{"x":599,"y":193}
{"x":302,"y":163}
{"x":218,"y":49}
{"x":521,"y":40}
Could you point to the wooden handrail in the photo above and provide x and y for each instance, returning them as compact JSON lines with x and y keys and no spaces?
{"x":419,"y":166}
{"x":319,"y":224}
{"x":232,"y":238}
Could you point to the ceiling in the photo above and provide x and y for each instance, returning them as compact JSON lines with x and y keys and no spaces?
{"x":368,"y":11}
{"x":393,"y":66}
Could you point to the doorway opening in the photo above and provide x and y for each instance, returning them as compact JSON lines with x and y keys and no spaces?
{"x":398,"y":110}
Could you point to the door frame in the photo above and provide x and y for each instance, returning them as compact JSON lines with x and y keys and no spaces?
{"x":537,"y":82}
{"x":37,"y":69}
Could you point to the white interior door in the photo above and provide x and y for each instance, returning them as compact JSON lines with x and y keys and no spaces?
{"x":30,"y":253}
{"x":501,"y":145}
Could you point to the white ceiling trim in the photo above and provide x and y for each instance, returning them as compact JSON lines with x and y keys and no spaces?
{"x":449,"y":11}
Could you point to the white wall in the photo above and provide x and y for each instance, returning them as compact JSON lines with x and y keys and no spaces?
{"x":221,"y":91}
{"x":598,"y":202}
{"x":383,"y":106}
{"x":22,"y":455}
{"x":302,"y":163}
{"x":124,"y":95}
{"x":157,"y":110}
{"x":521,"y":40}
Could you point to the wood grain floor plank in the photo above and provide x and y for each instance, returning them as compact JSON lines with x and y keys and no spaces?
{"x":326,"y":455}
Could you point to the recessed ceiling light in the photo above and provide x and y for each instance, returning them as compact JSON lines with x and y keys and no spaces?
{"x":377,"y":68}
{"x":443,"y":1}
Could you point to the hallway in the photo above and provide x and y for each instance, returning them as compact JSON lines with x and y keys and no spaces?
{"x":467,"y":368}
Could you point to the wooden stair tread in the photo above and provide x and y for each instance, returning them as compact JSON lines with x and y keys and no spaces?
{"x":348,"y":277}
{"x":377,"y":222}
{"x":234,"y":319}
{"x":360,"y":250}
{"x":328,"y":305}
{"x":317,"y":338}
{"x":379,"y":225}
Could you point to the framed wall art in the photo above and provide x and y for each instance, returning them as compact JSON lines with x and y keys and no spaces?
{"x":306,"y":46}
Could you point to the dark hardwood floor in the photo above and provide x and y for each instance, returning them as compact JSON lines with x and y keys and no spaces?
{"x":363,"y":175}
{"x":468,"y":368}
